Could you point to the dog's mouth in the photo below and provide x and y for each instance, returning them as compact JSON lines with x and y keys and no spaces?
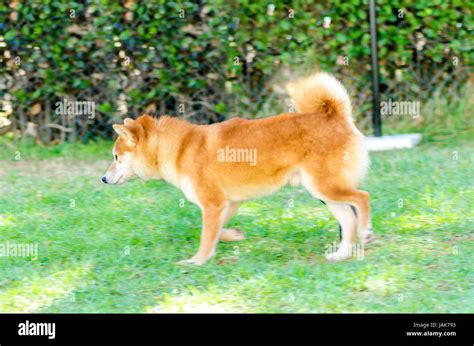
{"x":120,"y":180}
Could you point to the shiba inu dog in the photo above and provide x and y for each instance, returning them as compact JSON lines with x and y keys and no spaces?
{"x":219,"y":166}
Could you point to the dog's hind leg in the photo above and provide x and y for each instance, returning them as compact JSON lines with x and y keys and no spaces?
{"x":341,"y":197}
{"x":231,"y":234}
{"x":348,"y":222}
{"x":360,"y":200}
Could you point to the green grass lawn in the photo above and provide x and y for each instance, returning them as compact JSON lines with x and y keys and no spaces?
{"x":114,"y":249}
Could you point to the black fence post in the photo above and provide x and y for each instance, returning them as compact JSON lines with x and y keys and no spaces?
{"x":376,"y":120}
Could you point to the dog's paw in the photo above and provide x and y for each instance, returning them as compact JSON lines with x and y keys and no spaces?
{"x":339,"y":255}
{"x":191,"y":262}
{"x":231,"y":234}
{"x":186,"y":262}
{"x":194,"y":261}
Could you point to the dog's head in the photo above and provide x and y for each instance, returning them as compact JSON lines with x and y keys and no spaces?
{"x":131,"y":152}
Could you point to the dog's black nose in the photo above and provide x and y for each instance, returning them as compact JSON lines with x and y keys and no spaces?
{"x":104,"y":179}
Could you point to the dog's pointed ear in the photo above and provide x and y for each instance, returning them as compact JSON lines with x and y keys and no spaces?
{"x":119,"y":130}
{"x":128,"y":121}
{"x":126,"y":132}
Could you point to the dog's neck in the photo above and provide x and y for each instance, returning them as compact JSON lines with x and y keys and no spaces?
{"x":170,"y":133}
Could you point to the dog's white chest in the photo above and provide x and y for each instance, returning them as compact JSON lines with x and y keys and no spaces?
{"x":183,"y":183}
{"x":189,"y":190}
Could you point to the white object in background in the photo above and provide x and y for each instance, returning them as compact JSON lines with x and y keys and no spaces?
{"x":403,"y":141}
{"x":327,"y":22}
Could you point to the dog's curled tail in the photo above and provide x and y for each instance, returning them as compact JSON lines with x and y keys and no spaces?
{"x":320,"y":93}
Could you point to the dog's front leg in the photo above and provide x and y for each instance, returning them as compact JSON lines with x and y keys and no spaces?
{"x":212,"y":220}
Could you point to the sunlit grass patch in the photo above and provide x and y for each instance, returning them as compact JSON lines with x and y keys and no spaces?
{"x":36,"y":292}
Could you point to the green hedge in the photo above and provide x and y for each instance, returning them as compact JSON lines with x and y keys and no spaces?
{"x":220,"y":59}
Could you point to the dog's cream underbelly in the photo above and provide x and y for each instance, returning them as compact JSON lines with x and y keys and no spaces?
{"x":243,"y":191}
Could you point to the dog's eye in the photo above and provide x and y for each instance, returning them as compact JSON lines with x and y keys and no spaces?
{"x":115,"y":157}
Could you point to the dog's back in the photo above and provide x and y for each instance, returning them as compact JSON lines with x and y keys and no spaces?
{"x":321,"y":134}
